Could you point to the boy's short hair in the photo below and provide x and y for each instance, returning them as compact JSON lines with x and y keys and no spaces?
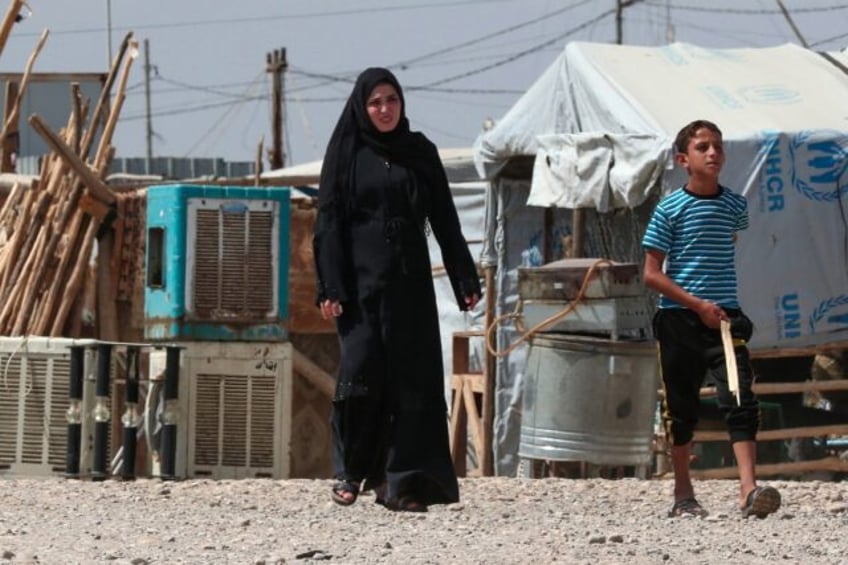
{"x":681,"y":142}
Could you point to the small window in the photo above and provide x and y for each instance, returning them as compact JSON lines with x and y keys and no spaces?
{"x":156,"y":257}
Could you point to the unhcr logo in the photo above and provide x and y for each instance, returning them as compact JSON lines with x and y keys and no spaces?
{"x":831,"y":313}
{"x":770,"y":94}
{"x":789,"y":315}
{"x":820,"y":164}
{"x":814,"y":163}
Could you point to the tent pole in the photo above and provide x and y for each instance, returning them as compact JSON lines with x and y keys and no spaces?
{"x":578,"y":220}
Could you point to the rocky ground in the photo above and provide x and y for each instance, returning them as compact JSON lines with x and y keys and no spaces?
{"x":499,"y":520}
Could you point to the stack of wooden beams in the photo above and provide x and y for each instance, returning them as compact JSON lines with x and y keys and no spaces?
{"x":51,"y":230}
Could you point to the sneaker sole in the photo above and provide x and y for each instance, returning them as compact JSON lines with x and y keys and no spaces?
{"x":766,"y":501}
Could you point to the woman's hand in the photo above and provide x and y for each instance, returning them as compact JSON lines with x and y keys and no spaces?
{"x":471,"y":301}
{"x":331,"y":309}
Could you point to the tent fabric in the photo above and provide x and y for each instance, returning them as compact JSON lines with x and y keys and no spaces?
{"x":601,"y":120}
{"x":599,"y":125}
{"x":458,"y":163}
{"x":607,"y":88}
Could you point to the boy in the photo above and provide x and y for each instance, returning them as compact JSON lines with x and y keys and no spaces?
{"x":693,"y":230}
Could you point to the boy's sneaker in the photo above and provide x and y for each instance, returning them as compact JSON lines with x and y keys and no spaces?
{"x":761,"y":502}
{"x":687,"y":508}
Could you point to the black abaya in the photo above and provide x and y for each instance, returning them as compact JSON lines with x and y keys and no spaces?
{"x":389,"y":413}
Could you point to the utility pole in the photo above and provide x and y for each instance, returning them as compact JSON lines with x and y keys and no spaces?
{"x":277,"y":65}
{"x":148,"y":118}
{"x":109,"y":32}
{"x":792,"y":24}
{"x":620,"y":5}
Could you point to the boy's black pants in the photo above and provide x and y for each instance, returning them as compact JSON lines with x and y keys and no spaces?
{"x":688,"y":350}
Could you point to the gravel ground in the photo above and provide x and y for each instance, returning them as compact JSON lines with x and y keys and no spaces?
{"x":499,"y":520}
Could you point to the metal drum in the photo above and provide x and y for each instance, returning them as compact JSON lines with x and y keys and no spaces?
{"x":589,"y":399}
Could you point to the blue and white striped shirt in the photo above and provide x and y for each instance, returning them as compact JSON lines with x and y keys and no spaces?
{"x":696,"y":235}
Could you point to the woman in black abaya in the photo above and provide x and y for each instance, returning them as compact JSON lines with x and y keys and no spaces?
{"x":382,"y":189}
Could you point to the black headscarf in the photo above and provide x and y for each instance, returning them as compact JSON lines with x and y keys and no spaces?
{"x":354,"y":129}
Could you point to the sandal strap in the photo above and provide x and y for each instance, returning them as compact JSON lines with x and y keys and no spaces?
{"x":345,"y":485}
{"x":687,"y":507}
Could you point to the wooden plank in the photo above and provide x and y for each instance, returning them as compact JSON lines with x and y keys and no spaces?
{"x":472,"y":380}
{"x":833,"y":464}
{"x":474,"y":421}
{"x":458,"y":430}
{"x":799,"y":351}
{"x":730,"y":360}
{"x":316,"y":376}
{"x":781,"y":433}
{"x":764,"y":389}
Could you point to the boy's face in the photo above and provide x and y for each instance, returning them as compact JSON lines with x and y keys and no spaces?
{"x":704,"y":155}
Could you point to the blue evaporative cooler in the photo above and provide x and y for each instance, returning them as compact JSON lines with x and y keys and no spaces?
{"x":217,"y":263}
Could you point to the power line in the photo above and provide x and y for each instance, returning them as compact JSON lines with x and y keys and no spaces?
{"x":188,"y":109}
{"x":497,"y":33}
{"x":829,"y":39}
{"x":267,"y":18}
{"x":747,"y":11}
{"x":518,"y":55}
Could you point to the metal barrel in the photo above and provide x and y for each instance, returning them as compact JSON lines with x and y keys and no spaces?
{"x":589,"y":399}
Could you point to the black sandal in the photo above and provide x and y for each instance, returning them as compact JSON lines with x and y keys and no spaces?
{"x":687,"y":508}
{"x":344,"y":487}
{"x":409,"y":504}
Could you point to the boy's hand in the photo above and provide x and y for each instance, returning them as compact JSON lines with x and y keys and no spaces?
{"x":711,"y":314}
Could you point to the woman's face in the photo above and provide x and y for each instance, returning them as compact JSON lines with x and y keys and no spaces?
{"x":384,"y":107}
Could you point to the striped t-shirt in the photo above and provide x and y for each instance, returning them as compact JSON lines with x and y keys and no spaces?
{"x":696,"y":235}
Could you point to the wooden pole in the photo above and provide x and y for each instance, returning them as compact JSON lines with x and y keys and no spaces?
{"x":96,"y":187}
{"x":9,"y":20}
{"x":103,"y":101}
{"x":148,"y":119}
{"x":103,"y":155}
{"x":11,"y":120}
{"x":276,"y":66}
{"x":76,"y":279}
{"x":11,"y":140}
{"x":490,"y":378}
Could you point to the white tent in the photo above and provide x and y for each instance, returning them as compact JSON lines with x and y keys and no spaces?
{"x":600,"y":123}
{"x":595,"y":132}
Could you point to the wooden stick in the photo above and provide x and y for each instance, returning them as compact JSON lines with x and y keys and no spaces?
{"x":730,"y":360}
{"x":97,"y":187}
{"x":45,"y":318}
{"x":12,"y":119}
{"x":103,"y":101}
{"x":76,"y":279}
{"x":10,"y":203}
{"x":10,"y":142}
{"x":101,"y":158}
{"x":9,"y":21}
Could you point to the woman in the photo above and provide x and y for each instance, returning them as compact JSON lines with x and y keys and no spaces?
{"x":382,"y":188}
